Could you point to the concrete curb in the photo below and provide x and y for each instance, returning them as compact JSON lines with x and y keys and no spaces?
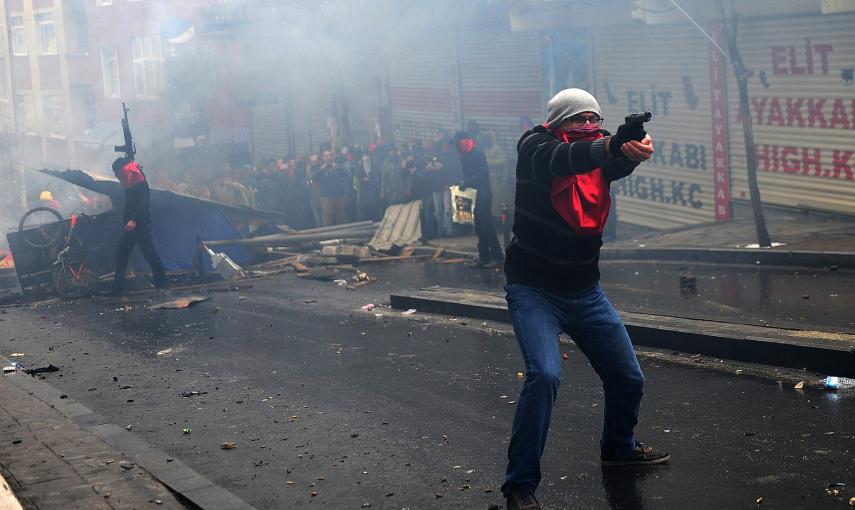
{"x":817,"y":259}
{"x":753,"y":344}
{"x":843,"y":260}
{"x":193,"y":487}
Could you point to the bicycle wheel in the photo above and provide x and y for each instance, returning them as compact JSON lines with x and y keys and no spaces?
{"x":74,"y":279}
{"x":41,"y":227}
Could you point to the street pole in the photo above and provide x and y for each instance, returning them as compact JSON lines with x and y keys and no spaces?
{"x":742,"y":75}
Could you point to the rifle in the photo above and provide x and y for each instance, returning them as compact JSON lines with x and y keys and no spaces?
{"x":129,"y":148}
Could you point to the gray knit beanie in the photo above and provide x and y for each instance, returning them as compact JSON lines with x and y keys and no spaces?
{"x":567,"y":103}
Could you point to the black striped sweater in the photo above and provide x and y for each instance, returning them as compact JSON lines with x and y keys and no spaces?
{"x":545,"y":252}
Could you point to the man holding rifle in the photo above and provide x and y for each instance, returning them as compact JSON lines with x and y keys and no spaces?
{"x":137,"y":214}
{"x":562,"y":201}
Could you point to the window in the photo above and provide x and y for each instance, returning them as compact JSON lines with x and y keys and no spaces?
{"x":25,"y":115}
{"x":54,"y":114}
{"x":77,"y":32}
{"x":19,"y":39}
{"x":46,"y":33}
{"x":148,"y":64}
{"x":110,"y":72}
{"x":83,"y":101}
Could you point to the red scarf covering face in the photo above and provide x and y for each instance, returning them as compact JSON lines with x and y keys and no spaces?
{"x":582,"y":200}
{"x":465,"y":146}
{"x":131,"y":174}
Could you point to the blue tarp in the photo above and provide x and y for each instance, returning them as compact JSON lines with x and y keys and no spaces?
{"x":177,"y":221}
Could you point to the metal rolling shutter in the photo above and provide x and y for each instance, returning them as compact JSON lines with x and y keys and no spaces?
{"x":423,"y":90}
{"x":310,"y":100}
{"x":501,"y":80}
{"x":789,"y":137}
{"x":670,"y":63}
{"x":269,"y":132}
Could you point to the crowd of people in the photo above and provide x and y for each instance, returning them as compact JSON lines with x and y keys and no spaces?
{"x":353,"y":183}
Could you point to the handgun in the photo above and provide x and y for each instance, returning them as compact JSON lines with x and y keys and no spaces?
{"x":637,"y":120}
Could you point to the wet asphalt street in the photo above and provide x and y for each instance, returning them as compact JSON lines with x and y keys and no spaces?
{"x":414,"y":412}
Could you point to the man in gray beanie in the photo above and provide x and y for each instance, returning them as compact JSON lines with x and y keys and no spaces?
{"x":562,"y":202}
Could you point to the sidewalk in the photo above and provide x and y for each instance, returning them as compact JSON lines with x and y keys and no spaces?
{"x":807,"y":241}
{"x":51,"y":463}
{"x":818,"y":351}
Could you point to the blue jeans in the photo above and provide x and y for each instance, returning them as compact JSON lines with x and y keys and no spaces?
{"x":538,"y":317}
{"x":442,"y":212}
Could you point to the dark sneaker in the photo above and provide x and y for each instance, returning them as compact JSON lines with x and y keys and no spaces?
{"x":523,"y":499}
{"x":642,"y":456}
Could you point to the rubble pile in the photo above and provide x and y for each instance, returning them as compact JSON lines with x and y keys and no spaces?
{"x":332,"y":253}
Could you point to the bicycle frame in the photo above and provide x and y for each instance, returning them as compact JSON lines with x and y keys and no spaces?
{"x":71,"y":263}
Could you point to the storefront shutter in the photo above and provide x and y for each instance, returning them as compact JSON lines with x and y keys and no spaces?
{"x":664,"y":69}
{"x":803,"y":111}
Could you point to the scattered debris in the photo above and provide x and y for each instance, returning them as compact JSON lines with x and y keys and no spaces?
{"x":368,"y":307}
{"x":688,"y":284}
{"x":9,"y":369}
{"x":838,"y":383}
{"x":759,"y":500}
{"x":188,"y":394}
{"x":346,"y":254}
{"x":565,"y":356}
{"x":228,"y":445}
{"x":164,"y":352}
{"x":17,"y":355}
{"x":321,"y":273}
{"x":186,"y":430}
{"x":310,"y":301}
{"x":799,"y":385}
{"x":180,"y":303}
{"x":129,"y":427}
{"x":224,"y":266}
{"x":409,"y":312}
{"x":42,"y":370}
{"x":126,"y":464}
{"x":835,"y":489}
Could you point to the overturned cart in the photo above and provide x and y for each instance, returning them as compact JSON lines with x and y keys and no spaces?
{"x":41,"y":249}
